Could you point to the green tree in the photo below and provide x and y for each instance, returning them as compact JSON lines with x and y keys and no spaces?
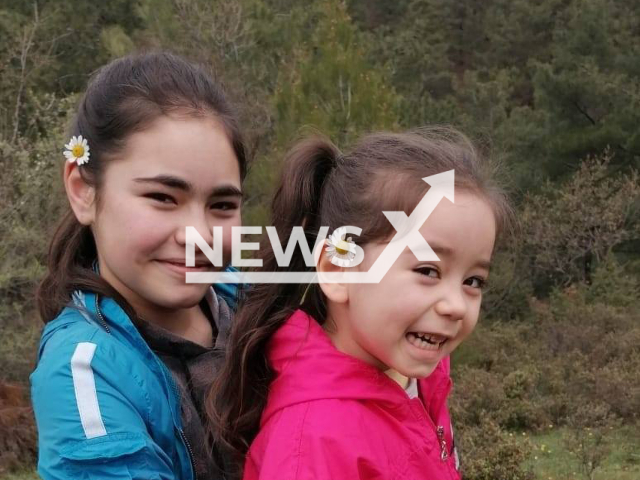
{"x":326,"y":84}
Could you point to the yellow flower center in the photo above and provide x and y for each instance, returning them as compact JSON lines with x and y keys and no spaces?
{"x":78,"y":151}
{"x":342,"y":247}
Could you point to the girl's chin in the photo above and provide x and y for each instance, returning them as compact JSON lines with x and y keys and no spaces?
{"x":419,"y":371}
{"x":186,"y":296}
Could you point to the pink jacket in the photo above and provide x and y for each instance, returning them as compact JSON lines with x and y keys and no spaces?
{"x":332,"y":416}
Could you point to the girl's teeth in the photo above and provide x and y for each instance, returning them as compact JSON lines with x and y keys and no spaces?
{"x":418,"y":342}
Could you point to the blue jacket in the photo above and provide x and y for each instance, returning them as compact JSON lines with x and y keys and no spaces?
{"x":106,"y":406}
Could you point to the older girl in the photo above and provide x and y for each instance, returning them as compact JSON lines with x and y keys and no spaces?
{"x":129,"y":348}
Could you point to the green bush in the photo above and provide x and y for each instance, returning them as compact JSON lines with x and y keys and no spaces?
{"x":490,"y":453}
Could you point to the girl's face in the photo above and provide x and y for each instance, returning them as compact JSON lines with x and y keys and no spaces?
{"x":179,"y":172}
{"x":439,"y":301}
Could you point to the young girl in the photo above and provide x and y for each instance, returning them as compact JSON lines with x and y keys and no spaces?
{"x":129,"y":348}
{"x":307,"y":382}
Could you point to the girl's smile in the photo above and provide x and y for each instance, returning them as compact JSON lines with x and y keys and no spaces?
{"x":179,"y":266}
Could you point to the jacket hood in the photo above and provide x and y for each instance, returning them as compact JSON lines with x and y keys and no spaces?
{"x":308,"y":367}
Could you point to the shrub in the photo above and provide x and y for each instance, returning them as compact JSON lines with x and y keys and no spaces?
{"x":18,"y":437}
{"x":489,"y":453}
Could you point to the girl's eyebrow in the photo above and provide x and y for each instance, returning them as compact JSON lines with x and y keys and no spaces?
{"x":175,"y":182}
{"x":444,"y":251}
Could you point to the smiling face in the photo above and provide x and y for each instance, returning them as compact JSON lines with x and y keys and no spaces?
{"x":420,"y":311}
{"x":179,"y":172}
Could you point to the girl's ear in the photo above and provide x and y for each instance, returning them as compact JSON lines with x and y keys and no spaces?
{"x":336,"y":292}
{"x":81,"y":195}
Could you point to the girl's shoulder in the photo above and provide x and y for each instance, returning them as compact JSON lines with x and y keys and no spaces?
{"x":81,"y":330}
{"x":71,"y":339}
{"x":78,"y":357}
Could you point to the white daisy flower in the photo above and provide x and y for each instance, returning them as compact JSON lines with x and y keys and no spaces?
{"x":341,"y":252}
{"x":77,"y":150}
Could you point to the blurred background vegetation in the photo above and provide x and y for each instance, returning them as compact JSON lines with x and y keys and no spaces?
{"x":549,"y":384}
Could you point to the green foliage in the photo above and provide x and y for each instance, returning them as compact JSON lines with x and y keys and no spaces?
{"x":550,"y":82}
{"x":324,"y":83}
{"x":330,"y":85}
{"x":577,"y":349}
{"x":569,"y":228}
{"x":489,"y":453}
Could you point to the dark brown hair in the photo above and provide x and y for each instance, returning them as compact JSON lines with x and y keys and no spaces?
{"x":321,"y":187}
{"x":124,"y":97}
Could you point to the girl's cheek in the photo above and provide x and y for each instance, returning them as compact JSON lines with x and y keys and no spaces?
{"x":147,"y":229}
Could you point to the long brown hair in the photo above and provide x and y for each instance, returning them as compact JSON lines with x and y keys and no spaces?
{"x":124,"y":97}
{"x":322,"y":187}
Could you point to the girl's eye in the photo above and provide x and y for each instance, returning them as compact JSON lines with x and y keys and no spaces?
{"x":161,"y":197}
{"x":224,"y":206}
{"x":476,"y":282}
{"x":428,"y":272}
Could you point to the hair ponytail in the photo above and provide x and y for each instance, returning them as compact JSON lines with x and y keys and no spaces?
{"x":240,"y":390}
{"x":307,"y":167}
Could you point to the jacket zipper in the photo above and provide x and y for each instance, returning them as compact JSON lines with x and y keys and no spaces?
{"x":444,"y":455}
{"x":443,"y":443}
{"x":184,"y":437}
{"x":189,"y":449}
{"x":102,"y":320}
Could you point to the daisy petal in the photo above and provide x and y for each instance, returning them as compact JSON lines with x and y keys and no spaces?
{"x":341,"y":262}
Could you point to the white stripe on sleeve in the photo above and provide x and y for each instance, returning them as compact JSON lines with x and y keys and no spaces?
{"x":85,"y":387}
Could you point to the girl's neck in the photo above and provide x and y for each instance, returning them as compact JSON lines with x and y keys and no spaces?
{"x":189,"y":323}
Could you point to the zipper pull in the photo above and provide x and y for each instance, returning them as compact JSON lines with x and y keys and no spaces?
{"x":443,"y":443}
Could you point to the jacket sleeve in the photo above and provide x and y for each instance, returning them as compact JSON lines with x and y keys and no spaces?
{"x":91,"y":411}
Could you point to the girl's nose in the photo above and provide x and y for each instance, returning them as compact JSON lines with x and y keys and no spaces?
{"x":452,"y":304}
{"x":200,"y":223}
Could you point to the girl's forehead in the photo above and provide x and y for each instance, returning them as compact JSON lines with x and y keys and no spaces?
{"x":463,"y":232}
{"x":197,"y":150}
{"x":463,"y":229}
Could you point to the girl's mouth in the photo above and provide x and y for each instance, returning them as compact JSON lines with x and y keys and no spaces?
{"x":179,"y":266}
{"x":426,"y":341}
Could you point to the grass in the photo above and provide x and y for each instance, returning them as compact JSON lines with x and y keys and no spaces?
{"x":552,"y":460}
